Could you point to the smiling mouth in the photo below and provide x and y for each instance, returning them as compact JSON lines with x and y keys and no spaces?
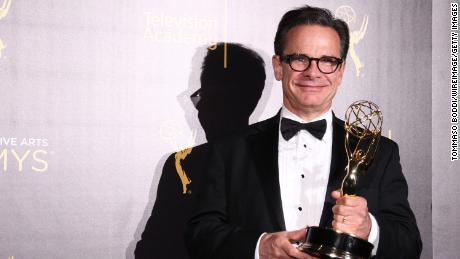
{"x":311,"y":86}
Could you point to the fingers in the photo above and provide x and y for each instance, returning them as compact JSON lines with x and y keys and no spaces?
{"x":352,"y":201}
{"x":343,"y":219}
{"x":270,"y":246}
{"x":348,"y":200}
{"x":351,"y":207}
{"x":358,"y":226}
{"x":297,"y":234}
{"x":351,"y":215}
{"x":278,"y":245}
{"x":336,"y":194}
{"x":292,"y":251}
{"x":345,"y":223}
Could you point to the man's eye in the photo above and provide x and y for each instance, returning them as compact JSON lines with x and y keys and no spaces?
{"x":329,"y":60}
{"x":300,"y":58}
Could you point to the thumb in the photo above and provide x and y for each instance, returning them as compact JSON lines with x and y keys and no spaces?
{"x":297,"y":234}
{"x":336,"y":194}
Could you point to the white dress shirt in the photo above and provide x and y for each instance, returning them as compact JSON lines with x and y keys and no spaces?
{"x":304,"y":165}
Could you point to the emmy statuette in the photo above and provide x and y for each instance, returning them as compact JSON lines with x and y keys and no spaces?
{"x":363,"y":122}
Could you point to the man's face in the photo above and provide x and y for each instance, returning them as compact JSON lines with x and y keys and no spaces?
{"x":309,"y":94}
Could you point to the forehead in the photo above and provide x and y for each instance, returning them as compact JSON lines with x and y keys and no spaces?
{"x":314,"y":40}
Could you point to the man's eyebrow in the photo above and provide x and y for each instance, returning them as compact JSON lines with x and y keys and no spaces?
{"x":298,"y":54}
{"x":305,"y":55}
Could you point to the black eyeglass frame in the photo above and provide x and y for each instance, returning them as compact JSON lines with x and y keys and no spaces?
{"x":196,"y":97}
{"x":288,"y":59}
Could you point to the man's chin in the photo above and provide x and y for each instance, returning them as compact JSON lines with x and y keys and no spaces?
{"x":313,"y":106}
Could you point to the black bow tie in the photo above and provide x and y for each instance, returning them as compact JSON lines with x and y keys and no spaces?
{"x":289,"y":128}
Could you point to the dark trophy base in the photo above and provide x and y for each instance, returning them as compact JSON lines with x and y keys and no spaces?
{"x":328,"y":243}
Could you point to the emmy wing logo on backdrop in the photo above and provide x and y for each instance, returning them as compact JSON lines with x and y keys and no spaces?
{"x":3,"y":13}
{"x":169,"y":132}
{"x":347,"y":14}
{"x":180,"y":156}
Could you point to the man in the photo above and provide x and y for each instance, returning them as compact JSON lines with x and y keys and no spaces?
{"x":226,"y":99}
{"x":265,"y":185}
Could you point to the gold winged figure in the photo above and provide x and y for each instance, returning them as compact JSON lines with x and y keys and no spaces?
{"x":347,"y":13}
{"x":3,"y":12}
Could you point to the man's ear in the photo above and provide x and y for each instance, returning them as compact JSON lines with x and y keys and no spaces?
{"x":277,"y":68}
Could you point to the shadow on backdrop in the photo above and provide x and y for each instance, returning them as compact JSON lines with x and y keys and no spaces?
{"x":227,"y":97}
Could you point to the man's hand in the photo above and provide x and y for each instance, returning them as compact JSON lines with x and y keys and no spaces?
{"x":278,"y":245}
{"x":351,"y":215}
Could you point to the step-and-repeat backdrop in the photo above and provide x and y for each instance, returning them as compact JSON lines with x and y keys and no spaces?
{"x":95,"y":95}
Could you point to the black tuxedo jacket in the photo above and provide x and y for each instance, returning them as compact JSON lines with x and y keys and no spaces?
{"x":241,"y":198}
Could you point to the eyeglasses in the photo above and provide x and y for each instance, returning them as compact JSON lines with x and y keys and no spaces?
{"x":196,"y":97}
{"x":301,"y":62}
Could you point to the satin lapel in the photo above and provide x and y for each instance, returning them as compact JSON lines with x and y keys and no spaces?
{"x":265,"y":153}
{"x":337,"y":172}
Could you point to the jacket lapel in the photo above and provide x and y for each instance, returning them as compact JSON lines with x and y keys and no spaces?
{"x":337,"y":171}
{"x":265,"y":151}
